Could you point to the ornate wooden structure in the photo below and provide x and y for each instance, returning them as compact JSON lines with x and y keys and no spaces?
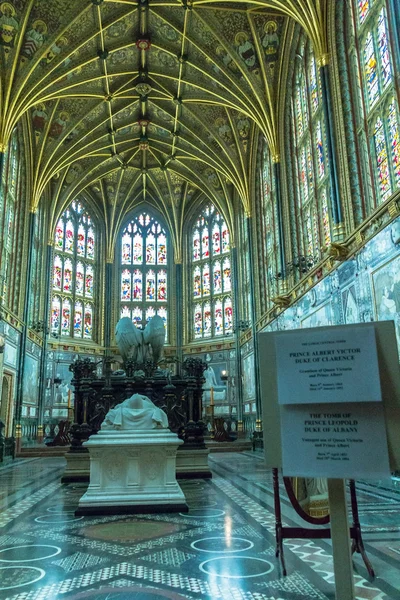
{"x":179,"y":396}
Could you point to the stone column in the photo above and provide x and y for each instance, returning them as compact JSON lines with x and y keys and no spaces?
{"x":107,"y":306}
{"x":239,"y":389}
{"x":336,"y":207}
{"x":43,"y":360}
{"x":250,"y":237}
{"x":179,"y":313}
{"x":279,"y":212}
{"x":24,"y":335}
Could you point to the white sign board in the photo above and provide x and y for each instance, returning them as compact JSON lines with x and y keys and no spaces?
{"x":334,"y":441}
{"x":329,"y":392}
{"x":340,"y":365}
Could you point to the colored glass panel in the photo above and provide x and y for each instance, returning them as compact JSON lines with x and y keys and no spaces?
{"x":382,"y":160}
{"x":205,"y":249}
{"x":218,"y":319}
{"x":313,"y":85}
{"x":80,"y":241}
{"x":320,"y":151}
{"x":216,"y":239}
{"x":150,"y":286}
{"x":66,"y":317}
{"x":227,"y":274}
{"x":79,"y":278}
{"x":206,"y":279}
{"x":78,"y":319}
{"x":88,"y":325}
{"x":67,"y":280}
{"x":89,"y":282}
{"x":161,"y":249}
{"x":207,"y":320}
{"x":196,"y":283}
{"x":150,"y":313}
{"x":394,"y":141}
{"x":126,"y":249}
{"x":325,"y":218}
{"x":371,"y":70}
{"x":217,"y":279}
{"x":55,"y":314}
{"x":225,"y":238}
{"x":363,"y":10}
{"x":196,"y":245}
{"x":59,"y":235}
{"x":125,"y":312}
{"x":162,"y":286}
{"x":386,"y":69}
{"x":150,"y":249}
{"x":137,"y":316}
{"x":90,"y":244}
{"x":198,"y":321}
{"x":228,"y":315}
{"x":137,"y":249}
{"x":137,"y":293}
{"x":57,"y":272}
{"x":126,"y":285}
{"x":303,"y":176}
{"x":69,"y":237}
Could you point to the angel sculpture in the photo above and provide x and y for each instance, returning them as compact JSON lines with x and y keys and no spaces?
{"x":140,"y":345}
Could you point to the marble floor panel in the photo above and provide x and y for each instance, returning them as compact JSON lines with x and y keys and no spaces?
{"x":224,"y":548}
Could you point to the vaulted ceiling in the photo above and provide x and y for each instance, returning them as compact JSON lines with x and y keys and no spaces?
{"x":155,"y":101}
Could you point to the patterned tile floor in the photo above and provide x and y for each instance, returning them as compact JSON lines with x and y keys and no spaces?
{"x":224,"y":548}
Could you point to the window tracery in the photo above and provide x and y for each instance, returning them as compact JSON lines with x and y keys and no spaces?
{"x":73,"y":274}
{"x":211,"y":284}
{"x":376,"y":114}
{"x":144,"y":271}
{"x":311,"y":168}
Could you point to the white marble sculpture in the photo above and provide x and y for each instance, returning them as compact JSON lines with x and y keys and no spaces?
{"x":137,"y":412}
{"x":211,"y":382}
{"x":140,"y":345}
{"x":133,"y":462}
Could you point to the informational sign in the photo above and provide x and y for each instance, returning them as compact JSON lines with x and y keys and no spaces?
{"x":334,"y":441}
{"x":329,"y":392}
{"x":340,"y":365}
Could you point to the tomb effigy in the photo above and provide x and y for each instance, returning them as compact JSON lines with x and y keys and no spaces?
{"x":133,"y":462}
{"x":179,"y":396}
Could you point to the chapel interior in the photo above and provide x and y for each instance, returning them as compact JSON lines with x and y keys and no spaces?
{"x":233,"y":168}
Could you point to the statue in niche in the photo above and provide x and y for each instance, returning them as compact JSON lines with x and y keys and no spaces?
{"x":134,"y":414}
{"x":211,"y":382}
{"x":140,"y":345}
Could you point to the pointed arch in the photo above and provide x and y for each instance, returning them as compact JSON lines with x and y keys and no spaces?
{"x":145,"y":260}
{"x":74,"y":281}
{"x":210,"y":282}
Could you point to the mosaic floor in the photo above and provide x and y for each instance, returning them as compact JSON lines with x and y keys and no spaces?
{"x":222,"y":549}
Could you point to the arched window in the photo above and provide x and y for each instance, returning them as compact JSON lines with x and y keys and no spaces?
{"x":311,"y":175}
{"x":9,"y":207}
{"x":376,"y":112}
{"x":211,"y":276}
{"x":268,"y":232}
{"x":74,"y":274}
{"x":144,"y":271}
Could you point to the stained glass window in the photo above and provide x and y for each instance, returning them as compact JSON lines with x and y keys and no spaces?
{"x":73,"y":274}
{"x":143,"y":270}
{"x":311,"y":168}
{"x":376,"y":114}
{"x":211,"y":274}
{"x":10,"y":193}
{"x":268,"y":232}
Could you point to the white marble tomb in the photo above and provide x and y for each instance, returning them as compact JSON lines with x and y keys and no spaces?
{"x":133,"y":463}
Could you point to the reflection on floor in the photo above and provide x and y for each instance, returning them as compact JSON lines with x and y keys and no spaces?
{"x":222,"y":549}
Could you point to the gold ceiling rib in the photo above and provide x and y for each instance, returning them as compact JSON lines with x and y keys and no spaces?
{"x":141,"y":90}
